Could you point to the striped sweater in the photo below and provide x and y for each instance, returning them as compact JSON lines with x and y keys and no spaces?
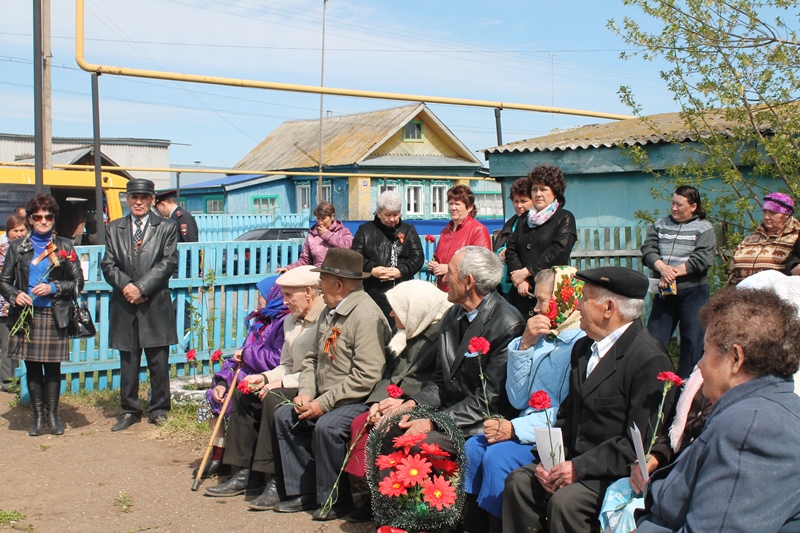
{"x":692,"y":243}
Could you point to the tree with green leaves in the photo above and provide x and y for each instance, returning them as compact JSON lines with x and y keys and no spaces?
{"x":732,"y":66}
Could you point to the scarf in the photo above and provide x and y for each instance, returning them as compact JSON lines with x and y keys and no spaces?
{"x":688,"y":393}
{"x":537,"y":218}
{"x":567,"y":292}
{"x":417,"y":304}
{"x":274,"y":308}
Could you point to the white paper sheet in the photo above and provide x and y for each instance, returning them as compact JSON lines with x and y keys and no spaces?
{"x":544,"y":437}
{"x":636,"y":436}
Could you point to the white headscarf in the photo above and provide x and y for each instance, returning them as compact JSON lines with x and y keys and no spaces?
{"x":417,"y":304}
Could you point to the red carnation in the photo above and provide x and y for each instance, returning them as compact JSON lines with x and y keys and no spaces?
{"x":394,"y":391}
{"x":244,"y":387}
{"x":73,"y":256}
{"x":540,"y":400}
{"x":216,"y":355}
{"x":430,"y":238}
{"x":191,"y":355}
{"x":479,"y":345}
{"x":670,"y":376}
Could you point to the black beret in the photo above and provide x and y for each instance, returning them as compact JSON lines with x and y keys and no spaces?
{"x":169,"y":193}
{"x":142,"y":186}
{"x":619,"y":280}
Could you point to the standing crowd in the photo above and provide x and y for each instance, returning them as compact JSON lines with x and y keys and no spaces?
{"x":346,"y":339}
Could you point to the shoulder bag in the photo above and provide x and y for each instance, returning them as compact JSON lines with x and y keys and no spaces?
{"x":80,"y":323}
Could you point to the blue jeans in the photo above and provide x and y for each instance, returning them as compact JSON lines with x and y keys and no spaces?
{"x":683,"y":307}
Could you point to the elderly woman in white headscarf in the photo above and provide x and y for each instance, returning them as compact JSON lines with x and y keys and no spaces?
{"x":537,"y":361}
{"x":417,"y":307}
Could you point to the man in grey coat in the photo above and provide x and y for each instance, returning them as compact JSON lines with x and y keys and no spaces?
{"x":141,"y":255}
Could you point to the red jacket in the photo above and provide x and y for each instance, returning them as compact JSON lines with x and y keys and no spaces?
{"x":469,"y":233}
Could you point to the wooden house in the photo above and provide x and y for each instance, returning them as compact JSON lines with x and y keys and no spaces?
{"x":408,"y":140}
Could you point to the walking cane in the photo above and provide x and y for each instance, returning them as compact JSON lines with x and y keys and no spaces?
{"x":222,"y":410}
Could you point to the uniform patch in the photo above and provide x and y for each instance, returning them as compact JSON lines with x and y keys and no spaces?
{"x":184,"y":229}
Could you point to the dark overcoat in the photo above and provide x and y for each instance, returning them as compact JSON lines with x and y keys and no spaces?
{"x":16,"y":270}
{"x":456,"y":385}
{"x":598,"y":412}
{"x":150,"y":269}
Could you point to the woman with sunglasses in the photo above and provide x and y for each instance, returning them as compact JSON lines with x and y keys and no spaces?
{"x":40,"y":274}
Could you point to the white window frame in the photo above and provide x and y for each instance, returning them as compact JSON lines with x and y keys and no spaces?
{"x":303,"y":190}
{"x":415,"y":206}
{"x":389,"y":186}
{"x":272,"y":203}
{"x":327,"y":193}
{"x":436,"y":189}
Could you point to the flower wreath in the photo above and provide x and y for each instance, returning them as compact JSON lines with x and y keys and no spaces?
{"x":415,"y":514}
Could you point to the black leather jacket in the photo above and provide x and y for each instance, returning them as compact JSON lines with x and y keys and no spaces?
{"x":16,"y":270}
{"x":375,"y":241}
{"x":538,"y":248}
{"x":456,"y":385}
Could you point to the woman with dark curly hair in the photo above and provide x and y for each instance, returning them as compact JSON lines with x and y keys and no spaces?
{"x":736,"y":475}
{"x":544,"y":240}
{"x":462,"y":230}
{"x":40,"y":275}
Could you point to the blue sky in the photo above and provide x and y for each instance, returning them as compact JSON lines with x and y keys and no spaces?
{"x":536,"y":52}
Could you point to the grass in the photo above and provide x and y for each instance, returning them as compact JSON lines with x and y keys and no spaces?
{"x":9,"y":516}
{"x":124,"y":502}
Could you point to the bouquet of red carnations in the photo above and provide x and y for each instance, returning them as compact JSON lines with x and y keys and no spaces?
{"x":416,"y":485}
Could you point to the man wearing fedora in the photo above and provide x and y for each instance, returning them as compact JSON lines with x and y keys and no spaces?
{"x":613,"y":385}
{"x":141,"y":255}
{"x":338,"y":373}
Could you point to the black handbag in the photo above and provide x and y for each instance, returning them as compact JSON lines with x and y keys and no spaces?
{"x":80,"y":323}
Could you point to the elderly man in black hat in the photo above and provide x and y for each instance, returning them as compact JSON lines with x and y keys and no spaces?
{"x":613,"y":385}
{"x":338,"y":374}
{"x":141,"y":255}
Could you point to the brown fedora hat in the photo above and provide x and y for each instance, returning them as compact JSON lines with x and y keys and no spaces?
{"x":344,"y":263}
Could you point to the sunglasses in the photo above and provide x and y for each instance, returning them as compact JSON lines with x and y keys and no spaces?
{"x":48,"y":217}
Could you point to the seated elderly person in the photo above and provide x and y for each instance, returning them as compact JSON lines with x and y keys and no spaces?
{"x":741,"y":473}
{"x":339,"y":372}
{"x":456,"y":386}
{"x":260,"y":352}
{"x":613,"y":385}
{"x":251,"y":438}
{"x":539,"y":360}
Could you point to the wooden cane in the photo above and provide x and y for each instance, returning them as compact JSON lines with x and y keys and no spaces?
{"x":199,"y":478}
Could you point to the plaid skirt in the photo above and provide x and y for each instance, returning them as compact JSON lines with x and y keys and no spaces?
{"x":47,"y":344}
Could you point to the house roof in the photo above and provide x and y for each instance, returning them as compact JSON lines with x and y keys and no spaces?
{"x":88,"y":140}
{"x":347,"y":139}
{"x":654,"y":129}
{"x":80,"y":155}
{"x":233,"y":182}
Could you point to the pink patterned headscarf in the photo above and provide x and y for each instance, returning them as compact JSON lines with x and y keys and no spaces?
{"x":779,"y":203}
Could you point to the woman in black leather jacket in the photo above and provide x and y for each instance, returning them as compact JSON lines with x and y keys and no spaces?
{"x":544,"y":236}
{"x":41,"y":272}
{"x":391,"y":248}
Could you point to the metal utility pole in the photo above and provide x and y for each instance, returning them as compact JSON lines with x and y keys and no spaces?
{"x":38,"y":116}
{"x":47,"y":95}
{"x":321,"y":104}
{"x":498,"y":126}
{"x":98,"y":176}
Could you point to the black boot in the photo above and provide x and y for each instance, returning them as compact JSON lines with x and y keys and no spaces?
{"x":239,"y":483}
{"x":52,"y":390}
{"x":37,"y":401}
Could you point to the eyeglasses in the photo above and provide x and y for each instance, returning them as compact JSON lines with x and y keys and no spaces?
{"x":48,"y":217}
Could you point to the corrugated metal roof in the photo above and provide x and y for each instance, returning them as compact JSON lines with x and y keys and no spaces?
{"x":347,"y":139}
{"x":669,"y":127}
{"x":88,"y":140}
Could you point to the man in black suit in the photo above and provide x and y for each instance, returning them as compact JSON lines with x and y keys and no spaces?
{"x":613,"y":385}
{"x":141,"y":255}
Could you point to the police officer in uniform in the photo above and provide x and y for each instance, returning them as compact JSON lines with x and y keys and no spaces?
{"x":167,"y":205}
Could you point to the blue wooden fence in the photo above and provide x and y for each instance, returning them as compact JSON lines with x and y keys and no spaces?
{"x":237,"y":267}
{"x":220,"y":228}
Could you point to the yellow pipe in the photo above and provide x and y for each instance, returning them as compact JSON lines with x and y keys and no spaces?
{"x":235,"y":82}
{"x":266,"y":172}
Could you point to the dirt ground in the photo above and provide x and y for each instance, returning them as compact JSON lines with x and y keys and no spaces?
{"x":82,"y":481}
